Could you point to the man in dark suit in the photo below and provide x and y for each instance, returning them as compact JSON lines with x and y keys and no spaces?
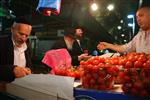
{"x":66,"y":41}
{"x":81,"y":47}
{"x":15,"y":52}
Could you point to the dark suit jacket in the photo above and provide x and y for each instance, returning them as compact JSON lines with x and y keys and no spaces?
{"x":77,"y":50}
{"x":7,"y":58}
{"x":60,"y":44}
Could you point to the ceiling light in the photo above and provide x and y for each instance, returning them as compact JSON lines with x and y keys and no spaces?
{"x":110,"y":7}
{"x":94,"y":7}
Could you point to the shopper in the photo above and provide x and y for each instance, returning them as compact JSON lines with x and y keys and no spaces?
{"x":65,"y":42}
{"x":81,"y":47}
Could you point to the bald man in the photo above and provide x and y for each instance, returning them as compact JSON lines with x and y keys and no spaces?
{"x":141,"y":42}
{"x":15,"y":52}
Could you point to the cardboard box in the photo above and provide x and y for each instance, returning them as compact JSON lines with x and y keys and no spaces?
{"x":42,"y":87}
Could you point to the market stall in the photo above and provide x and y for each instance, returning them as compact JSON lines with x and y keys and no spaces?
{"x":117,"y":77}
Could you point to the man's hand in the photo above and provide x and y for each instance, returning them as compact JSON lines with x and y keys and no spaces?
{"x":83,"y":56}
{"x":21,"y":71}
{"x":103,"y":45}
{"x":28,"y":70}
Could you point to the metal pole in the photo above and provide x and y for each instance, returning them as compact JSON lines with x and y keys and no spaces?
{"x":133,"y":27}
{"x":140,"y":3}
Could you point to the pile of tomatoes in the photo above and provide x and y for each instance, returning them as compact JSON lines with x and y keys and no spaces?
{"x":136,"y":81}
{"x":135,"y":76}
{"x":71,"y":71}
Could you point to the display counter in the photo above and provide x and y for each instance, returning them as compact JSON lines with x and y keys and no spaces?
{"x":84,"y":94}
{"x":115,"y":94}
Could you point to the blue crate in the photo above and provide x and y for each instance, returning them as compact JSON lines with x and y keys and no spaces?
{"x":86,"y":94}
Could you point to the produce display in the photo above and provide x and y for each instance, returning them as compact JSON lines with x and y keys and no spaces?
{"x":131,"y":70}
{"x":135,"y":76}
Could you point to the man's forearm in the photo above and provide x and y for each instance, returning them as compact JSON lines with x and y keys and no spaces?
{"x":118,"y":48}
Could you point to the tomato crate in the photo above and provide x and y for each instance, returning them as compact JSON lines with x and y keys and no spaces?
{"x":136,"y":81}
{"x":98,"y":74}
{"x":100,"y":80}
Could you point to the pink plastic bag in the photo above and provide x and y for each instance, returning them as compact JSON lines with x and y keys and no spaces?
{"x":56,"y":59}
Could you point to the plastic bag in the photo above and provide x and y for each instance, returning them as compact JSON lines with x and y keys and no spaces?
{"x":57,"y":59}
{"x":49,"y":6}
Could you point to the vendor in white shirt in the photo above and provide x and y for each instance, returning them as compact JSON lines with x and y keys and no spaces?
{"x":141,"y":42}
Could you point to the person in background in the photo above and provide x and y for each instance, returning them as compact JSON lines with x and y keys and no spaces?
{"x":141,"y":42}
{"x":15,"y":52}
{"x":81,"y":47}
{"x":69,"y":42}
{"x":65,"y":42}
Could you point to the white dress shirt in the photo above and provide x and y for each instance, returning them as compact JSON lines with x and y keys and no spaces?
{"x":19,"y":55}
{"x":140,"y":43}
{"x":79,"y":44}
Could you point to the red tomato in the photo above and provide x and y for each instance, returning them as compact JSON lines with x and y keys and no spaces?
{"x":101,"y":65}
{"x":107,"y":65}
{"x":146,"y":64}
{"x":127,"y":79}
{"x":110,"y":70}
{"x":136,"y":57}
{"x":122,"y":62}
{"x":86,"y":85}
{"x":95,"y":75}
{"x":134,"y":91}
{"x":101,"y":60}
{"x":115,"y":61}
{"x":72,"y":74}
{"x":131,"y":58}
{"x":146,"y":82}
{"x":95,"y":68}
{"x":138,"y":64}
{"x":125,"y":89}
{"x":95,"y":62}
{"x":121,"y":76}
{"x":101,"y":80}
{"x":128,"y":64}
{"x":92,"y":82}
{"x":95,"y":86}
{"x":144,"y":93}
{"x":102,"y":73}
{"x":82,"y":62}
{"x":142,"y":59}
{"x":102,"y":87}
{"x":138,"y":85}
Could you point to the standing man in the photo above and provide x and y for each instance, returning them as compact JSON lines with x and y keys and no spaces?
{"x":15,"y":52}
{"x":65,"y":42}
{"x":81,"y":47}
{"x":141,"y":42}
